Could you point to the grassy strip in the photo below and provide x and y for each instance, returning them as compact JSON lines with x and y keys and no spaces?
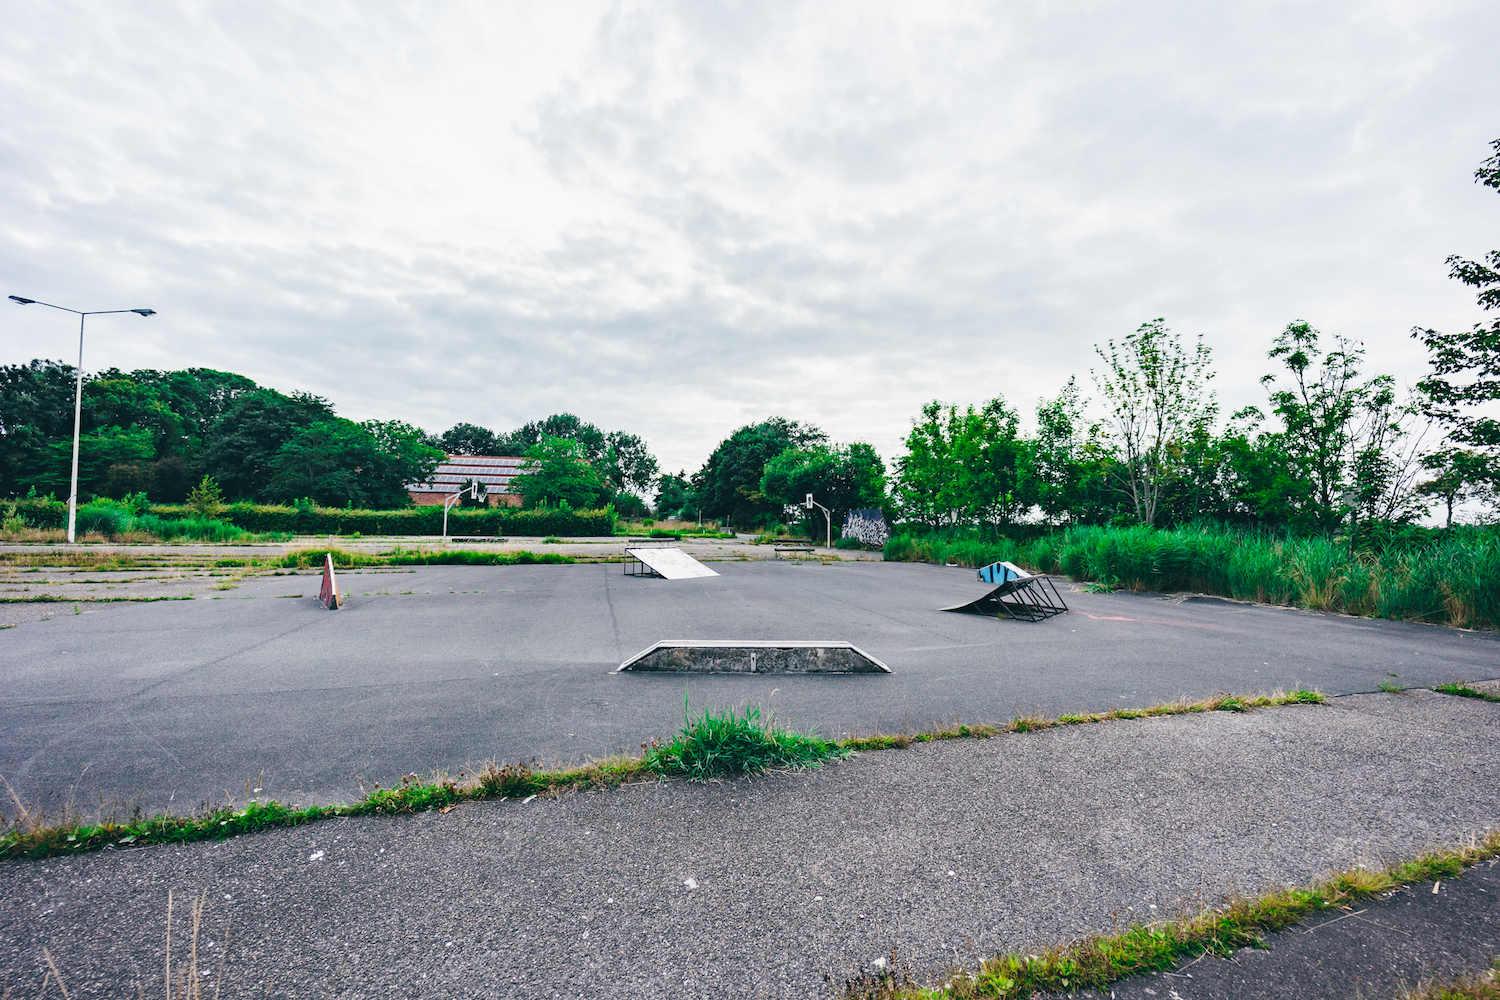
{"x":105,"y":561}
{"x":1095,"y":962}
{"x":1034,"y":723}
{"x":1464,"y":691}
{"x":716,"y":745}
{"x":342,"y":559}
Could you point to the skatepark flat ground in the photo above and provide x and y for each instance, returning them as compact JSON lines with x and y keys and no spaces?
{"x":176,"y":702}
{"x":760,"y":887}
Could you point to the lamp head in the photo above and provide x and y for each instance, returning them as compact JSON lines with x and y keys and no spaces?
{"x":24,"y":302}
{"x":143,"y":312}
{"x":808,"y":505}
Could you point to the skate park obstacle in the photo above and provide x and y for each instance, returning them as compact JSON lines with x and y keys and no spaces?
{"x":750,"y":656}
{"x":665,"y":561}
{"x":1019,"y":595}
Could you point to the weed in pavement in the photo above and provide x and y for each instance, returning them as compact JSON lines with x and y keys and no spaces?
{"x":725,"y":744}
{"x":1464,"y":691}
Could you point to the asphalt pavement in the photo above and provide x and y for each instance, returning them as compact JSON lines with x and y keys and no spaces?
{"x":762,"y":887}
{"x":170,"y":704}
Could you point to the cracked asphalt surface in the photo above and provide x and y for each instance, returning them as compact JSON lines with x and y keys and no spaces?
{"x":173,"y":703}
{"x":761,"y":887}
{"x":756,"y":888}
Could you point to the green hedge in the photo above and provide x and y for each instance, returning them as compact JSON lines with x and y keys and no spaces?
{"x":410,"y":521}
{"x":335,"y":521}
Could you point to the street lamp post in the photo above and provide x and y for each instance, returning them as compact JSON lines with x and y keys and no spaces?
{"x":78,"y":390}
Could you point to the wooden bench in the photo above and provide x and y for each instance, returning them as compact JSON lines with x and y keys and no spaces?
{"x":793,"y":548}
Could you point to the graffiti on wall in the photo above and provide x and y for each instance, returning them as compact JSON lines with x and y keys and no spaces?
{"x":868,"y":526}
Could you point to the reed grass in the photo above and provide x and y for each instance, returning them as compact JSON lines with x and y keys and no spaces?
{"x":1453,"y":578}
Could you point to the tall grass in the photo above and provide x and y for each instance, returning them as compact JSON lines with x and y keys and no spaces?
{"x":119,"y":521}
{"x":1453,"y":578}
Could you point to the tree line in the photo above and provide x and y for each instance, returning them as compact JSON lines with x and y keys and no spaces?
{"x":158,"y":434}
{"x":1333,"y":448}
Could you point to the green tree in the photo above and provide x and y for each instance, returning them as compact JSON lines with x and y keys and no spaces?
{"x":628,"y":463}
{"x":206,"y":499}
{"x":338,"y":462}
{"x":1157,"y":394}
{"x":36,"y":409}
{"x":108,"y":457}
{"x":244,"y":442}
{"x":469,"y":439}
{"x":567,"y":426}
{"x":674,"y":496}
{"x":623,"y":461}
{"x":1465,"y":377}
{"x":842,"y":478}
{"x":1066,"y":465}
{"x":728,"y":485}
{"x":556,"y":472}
{"x":1459,"y":475}
{"x":402,"y":456}
{"x":963,"y":466}
{"x":1345,"y":436}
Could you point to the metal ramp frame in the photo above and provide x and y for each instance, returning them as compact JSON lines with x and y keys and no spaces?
{"x":667,"y":562}
{"x":1021,"y":596}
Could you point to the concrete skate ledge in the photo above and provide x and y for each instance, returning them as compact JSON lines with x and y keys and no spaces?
{"x":749,"y":656}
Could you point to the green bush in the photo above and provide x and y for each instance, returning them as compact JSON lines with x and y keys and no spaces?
{"x":306,"y":519}
{"x":102,"y":516}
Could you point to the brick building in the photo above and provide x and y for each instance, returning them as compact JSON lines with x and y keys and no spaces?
{"x":495,"y":472}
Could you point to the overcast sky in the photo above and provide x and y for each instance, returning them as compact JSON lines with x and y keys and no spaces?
{"x":675,"y":219}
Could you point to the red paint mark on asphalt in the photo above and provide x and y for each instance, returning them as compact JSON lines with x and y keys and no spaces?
{"x":1143,"y":621}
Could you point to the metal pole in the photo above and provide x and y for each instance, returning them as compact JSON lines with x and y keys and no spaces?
{"x":827,"y":519}
{"x":77,"y":425}
{"x":78,"y":391}
{"x":472,"y":488}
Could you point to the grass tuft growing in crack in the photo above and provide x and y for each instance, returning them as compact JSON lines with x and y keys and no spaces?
{"x":1464,"y":691}
{"x":724,"y":744}
{"x":1094,"y":962}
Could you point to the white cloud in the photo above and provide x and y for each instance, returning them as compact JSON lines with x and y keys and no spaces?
{"x":678,"y":219}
